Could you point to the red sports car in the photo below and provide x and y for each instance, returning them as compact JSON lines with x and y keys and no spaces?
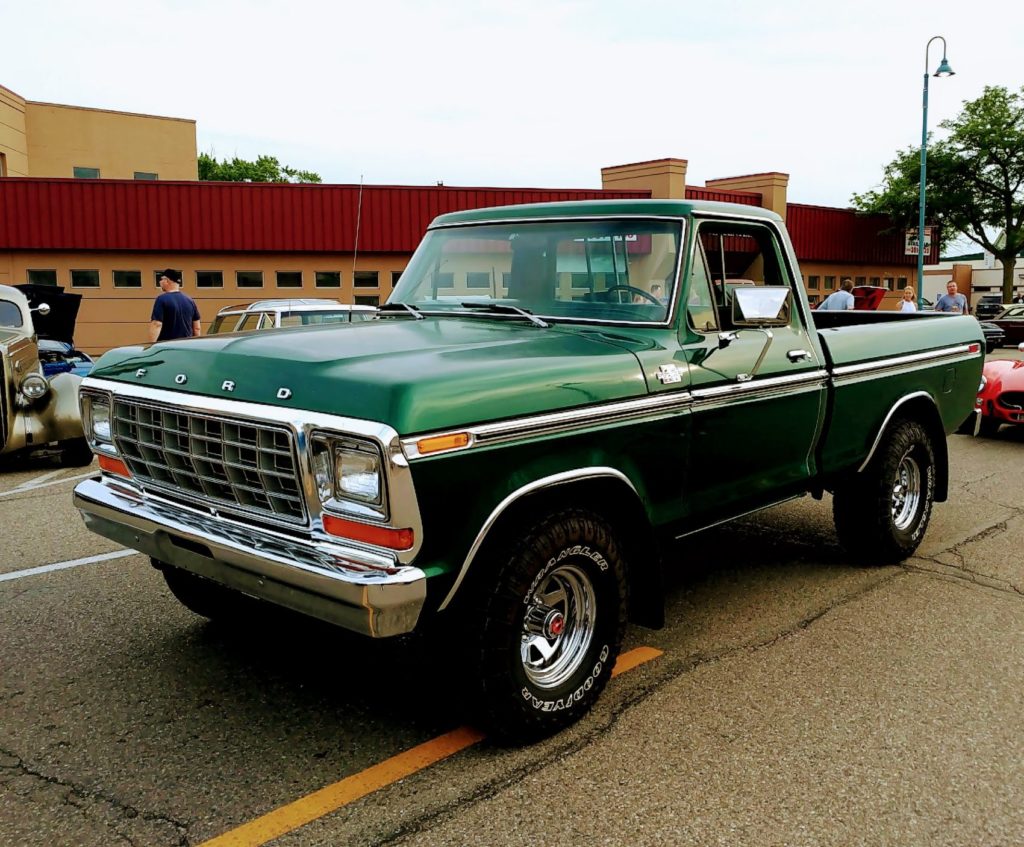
{"x":1001,"y":397}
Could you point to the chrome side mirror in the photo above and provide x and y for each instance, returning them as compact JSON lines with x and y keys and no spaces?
{"x":42,"y":308}
{"x":1021,"y":347}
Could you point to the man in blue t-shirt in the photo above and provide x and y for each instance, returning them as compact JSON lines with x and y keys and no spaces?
{"x":841,"y":300}
{"x":175,"y":314}
{"x":952,"y":302}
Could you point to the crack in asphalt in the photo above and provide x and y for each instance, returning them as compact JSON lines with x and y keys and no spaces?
{"x":668,"y":670}
{"x":961,"y":571}
{"x":125,"y":811}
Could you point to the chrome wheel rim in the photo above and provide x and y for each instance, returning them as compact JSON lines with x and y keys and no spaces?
{"x":906,"y":492}
{"x":558,"y":627}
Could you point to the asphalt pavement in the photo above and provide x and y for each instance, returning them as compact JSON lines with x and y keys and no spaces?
{"x":797,"y":699}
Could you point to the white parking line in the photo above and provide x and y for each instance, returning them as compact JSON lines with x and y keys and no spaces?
{"x":32,"y":485}
{"x":38,"y":479}
{"x":72,"y":563}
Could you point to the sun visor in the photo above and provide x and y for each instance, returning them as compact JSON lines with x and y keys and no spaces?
{"x":60,"y":323}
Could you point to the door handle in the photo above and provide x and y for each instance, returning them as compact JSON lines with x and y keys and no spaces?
{"x":798,"y":355}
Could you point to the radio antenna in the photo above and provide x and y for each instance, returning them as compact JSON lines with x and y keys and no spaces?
{"x":359,"y":216}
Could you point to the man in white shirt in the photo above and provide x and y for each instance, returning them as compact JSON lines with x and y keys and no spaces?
{"x":839,"y":300}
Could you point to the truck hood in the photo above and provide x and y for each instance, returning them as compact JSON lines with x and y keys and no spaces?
{"x":415,"y":376}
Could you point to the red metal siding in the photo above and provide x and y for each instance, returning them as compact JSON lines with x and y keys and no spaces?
{"x":842,"y":235}
{"x":58,"y":214}
{"x":746,"y":198}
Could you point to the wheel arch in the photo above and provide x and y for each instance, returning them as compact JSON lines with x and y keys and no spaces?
{"x":606,"y":491}
{"x":921,"y":407}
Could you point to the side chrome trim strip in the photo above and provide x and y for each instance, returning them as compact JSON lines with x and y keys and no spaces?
{"x":885,"y":423}
{"x":654,"y":405}
{"x":929,"y":357}
{"x":536,"y":485}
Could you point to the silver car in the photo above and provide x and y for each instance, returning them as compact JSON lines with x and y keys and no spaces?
{"x":274,"y":314}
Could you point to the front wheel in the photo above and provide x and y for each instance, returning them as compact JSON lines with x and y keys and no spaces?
{"x":882,"y":513}
{"x":552,"y":626}
{"x":205,"y":597}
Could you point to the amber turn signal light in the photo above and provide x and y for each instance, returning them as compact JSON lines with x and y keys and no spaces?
{"x":381,"y":536}
{"x":114,"y":466}
{"x":437,"y":443}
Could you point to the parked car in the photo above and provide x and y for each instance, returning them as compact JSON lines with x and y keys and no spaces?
{"x":59,"y":357}
{"x":507,"y":470}
{"x":1001,"y":396}
{"x":274,"y":314}
{"x":1011,"y":322}
{"x":989,"y":306}
{"x":37,"y":411}
{"x":994,"y":336}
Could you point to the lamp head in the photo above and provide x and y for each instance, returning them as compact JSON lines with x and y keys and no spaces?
{"x":944,"y":69}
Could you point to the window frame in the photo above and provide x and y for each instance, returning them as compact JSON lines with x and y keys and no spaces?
{"x":238,"y":279}
{"x":318,"y":284}
{"x":96,"y":271}
{"x":116,"y":271}
{"x":365,"y":274}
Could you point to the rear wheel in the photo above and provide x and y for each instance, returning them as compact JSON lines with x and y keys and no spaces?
{"x":881,"y":514}
{"x":552,"y":626}
{"x":989,"y":426}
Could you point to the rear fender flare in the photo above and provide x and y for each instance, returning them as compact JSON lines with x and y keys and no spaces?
{"x":919,"y":406}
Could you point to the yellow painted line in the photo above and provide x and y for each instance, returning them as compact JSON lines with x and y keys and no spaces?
{"x":634,"y":658}
{"x":307,"y":809}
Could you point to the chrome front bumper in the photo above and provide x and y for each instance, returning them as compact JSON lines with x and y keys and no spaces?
{"x":345,"y":586}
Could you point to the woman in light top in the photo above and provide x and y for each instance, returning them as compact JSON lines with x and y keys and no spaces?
{"x":909,"y":301}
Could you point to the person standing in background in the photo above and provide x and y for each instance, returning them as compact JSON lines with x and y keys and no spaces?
{"x":953,"y":302}
{"x":909,"y":301}
{"x":175,"y":314}
{"x":840,"y":300}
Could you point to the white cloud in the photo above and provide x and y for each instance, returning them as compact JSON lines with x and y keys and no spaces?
{"x":526,"y":94}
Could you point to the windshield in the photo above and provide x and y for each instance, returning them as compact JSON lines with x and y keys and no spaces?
{"x":605,"y":270}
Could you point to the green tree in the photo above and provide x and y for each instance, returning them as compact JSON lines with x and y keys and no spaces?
{"x":264,"y":169}
{"x":975,"y":182}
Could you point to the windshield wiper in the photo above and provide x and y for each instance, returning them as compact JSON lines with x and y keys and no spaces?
{"x":395,"y":307}
{"x":505,"y":309}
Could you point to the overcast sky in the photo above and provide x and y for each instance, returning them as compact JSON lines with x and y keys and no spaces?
{"x":532,"y":93}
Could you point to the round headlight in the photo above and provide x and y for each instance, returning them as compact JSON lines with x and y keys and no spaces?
{"x":34,"y":386}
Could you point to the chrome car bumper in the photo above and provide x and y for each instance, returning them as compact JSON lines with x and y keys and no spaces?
{"x":345,"y":586}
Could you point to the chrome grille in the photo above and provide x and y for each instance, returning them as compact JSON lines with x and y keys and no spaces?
{"x":236,"y":464}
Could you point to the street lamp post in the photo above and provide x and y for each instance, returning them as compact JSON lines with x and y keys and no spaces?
{"x":943,"y":70}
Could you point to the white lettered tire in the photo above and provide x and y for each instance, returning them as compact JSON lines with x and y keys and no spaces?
{"x":551,"y":626}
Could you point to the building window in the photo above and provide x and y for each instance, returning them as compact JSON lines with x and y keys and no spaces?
{"x":249,"y":279}
{"x":830,"y":283}
{"x":328,"y":279}
{"x":889,"y":283}
{"x":814,"y":282}
{"x":86,"y":173}
{"x":812,"y":299}
{"x":367,"y":300}
{"x":209,"y":279}
{"x":861,"y":280}
{"x":41,"y":277}
{"x":145,"y":175}
{"x":478,"y":279}
{"x":289,"y":279}
{"x":85,"y":279}
{"x":445,"y":280}
{"x":395,"y":276}
{"x":902,"y":283}
{"x":876,"y":281}
{"x":158,"y":274}
{"x":127,"y":279}
{"x":365,"y":279}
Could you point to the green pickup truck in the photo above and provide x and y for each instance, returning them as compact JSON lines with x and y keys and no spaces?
{"x":553,"y":395}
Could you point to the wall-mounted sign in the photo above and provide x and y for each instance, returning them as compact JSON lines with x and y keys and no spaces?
{"x":911,"y":241}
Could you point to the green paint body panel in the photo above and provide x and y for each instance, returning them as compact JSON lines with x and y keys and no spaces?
{"x":685,"y":464}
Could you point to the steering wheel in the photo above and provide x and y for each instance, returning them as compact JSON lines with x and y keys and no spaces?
{"x":634,"y":290}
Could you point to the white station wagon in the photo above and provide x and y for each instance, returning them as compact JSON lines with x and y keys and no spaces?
{"x":274,"y":314}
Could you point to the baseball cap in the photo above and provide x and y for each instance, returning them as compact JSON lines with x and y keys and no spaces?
{"x":172,"y":274}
